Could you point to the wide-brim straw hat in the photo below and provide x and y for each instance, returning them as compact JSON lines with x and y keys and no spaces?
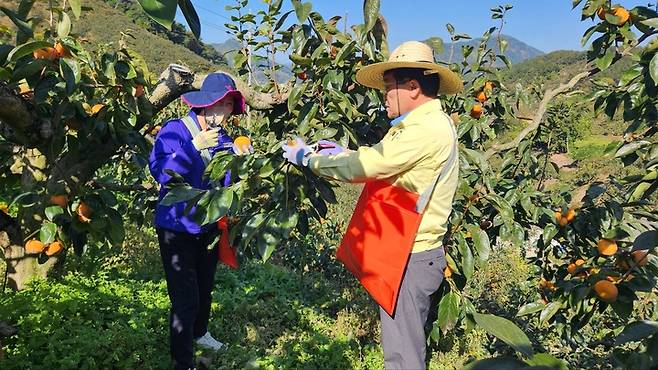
{"x":411,"y":54}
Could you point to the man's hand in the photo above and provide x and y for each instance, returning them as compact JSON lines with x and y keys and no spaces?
{"x":296,"y":151}
{"x":206,"y":139}
{"x":326,"y":147}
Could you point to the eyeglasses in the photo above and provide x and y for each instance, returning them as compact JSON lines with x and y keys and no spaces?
{"x":395,"y":84}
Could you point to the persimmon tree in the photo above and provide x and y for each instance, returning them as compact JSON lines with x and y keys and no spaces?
{"x":79,"y":110}
{"x":66,"y":112}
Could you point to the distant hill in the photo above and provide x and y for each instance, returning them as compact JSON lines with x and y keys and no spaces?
{"x":517,"y":51}
{"x":104,"y":23}
{"x":548,"y":68}
{"x":227,"y":49}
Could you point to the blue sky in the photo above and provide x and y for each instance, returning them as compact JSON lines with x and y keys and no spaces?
{"x":547,"y":25}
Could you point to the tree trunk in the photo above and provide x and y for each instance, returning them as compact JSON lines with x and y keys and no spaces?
{"x":21,"y":268}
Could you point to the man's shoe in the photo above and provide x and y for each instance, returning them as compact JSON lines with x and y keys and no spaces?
{"x":207,"y":341}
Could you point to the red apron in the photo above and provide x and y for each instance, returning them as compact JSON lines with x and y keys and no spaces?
{"x":227,"y":253}
{"x":379,"y":239}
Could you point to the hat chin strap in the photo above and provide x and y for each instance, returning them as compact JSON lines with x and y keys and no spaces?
{"x":397,"y":98}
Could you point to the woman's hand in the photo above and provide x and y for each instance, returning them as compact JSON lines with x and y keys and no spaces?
{"x":206,"y":139}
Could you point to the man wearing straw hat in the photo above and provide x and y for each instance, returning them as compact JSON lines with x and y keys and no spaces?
{"x":393,"y":243}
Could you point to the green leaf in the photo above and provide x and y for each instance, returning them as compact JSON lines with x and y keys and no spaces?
{"x":300,"y":60}
{"x":302,"y":10}
{"x":531,"y":308}
{"x":505,"y":59}
{"x":266,"y":243}
{"x":549,"y":311}
{"x":5,"y":75}
{"x":651,"y":22}
{"x":32,"y":68}
{"x":22,"y":26}
{"x":306,"y":114}
{"x":64,"y":26}
{"x":125,"y":70}
{"x":436,"y":43}
{"x":604,"y":61}
{"x":370,"y":13}
{"x":326,"y":191}
{"x":286,"y":221}
{"x":506,"y":363}
{"x":481,"y":243}
{"x":53,"y":211}
{"x":646,"y":241}
{"x":468,"y":262}
{"x":653,"y":68}
{"x":191,"y":17}
{"x":71,"y":72}
{"x":47,"y":232}
{"x":345,"y":51}
{"x":115,"y":230}
{"x":631,"y":147}
{"x":251,"y":227}
{"x":76,"y":8}
{"x":630,"y":75}
{"x":325,"y":133}
{"x":282,"y":20}
{"x":636,"y":331}
{"x":161,"y":11}
{"x":180,"y":194}
{"x":638,"y":192}
{"x":26,"y":49}
{"x":448,"y":311}
{"x":266,"y":170}
{"x":547,"y":361}
{"x":549,"y":232}
{"x":219,"y":205}
{"x":502,"y":205}
{"x":506,"y":331}
{"x":295,"y":94}
{"x":502,"y":45}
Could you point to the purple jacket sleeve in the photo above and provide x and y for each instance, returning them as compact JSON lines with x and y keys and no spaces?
{"x":170,"y":152}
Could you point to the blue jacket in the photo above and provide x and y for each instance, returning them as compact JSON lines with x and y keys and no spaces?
{"x":173,"y":150}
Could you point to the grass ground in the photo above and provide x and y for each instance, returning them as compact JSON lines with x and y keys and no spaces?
{"x":110,"y":311}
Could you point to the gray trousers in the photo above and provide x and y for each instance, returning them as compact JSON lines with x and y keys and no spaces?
{"x":403,"y":335}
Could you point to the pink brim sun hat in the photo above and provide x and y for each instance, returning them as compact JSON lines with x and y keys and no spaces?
{"x":215,"y":87}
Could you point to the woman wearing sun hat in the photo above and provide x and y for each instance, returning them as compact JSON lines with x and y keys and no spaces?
{"x":393,"y":242}
{"x":185,"y":146}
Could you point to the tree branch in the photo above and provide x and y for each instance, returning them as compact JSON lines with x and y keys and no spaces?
{"x":77,"y":168}
{"x":177,"y":80}
{"x":19,"y":121}
{"x":538,"y":116}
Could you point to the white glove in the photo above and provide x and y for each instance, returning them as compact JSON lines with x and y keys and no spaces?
{"x":297,"y":152}
{"x":206,"y":139}
{"x":242,"y":150}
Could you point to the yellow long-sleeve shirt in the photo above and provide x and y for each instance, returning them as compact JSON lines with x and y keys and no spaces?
{"x":410,"y":156}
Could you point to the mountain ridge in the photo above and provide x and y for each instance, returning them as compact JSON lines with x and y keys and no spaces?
{"x":517,"y":51}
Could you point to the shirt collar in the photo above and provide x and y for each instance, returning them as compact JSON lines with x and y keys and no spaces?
{"x":399,"y":119}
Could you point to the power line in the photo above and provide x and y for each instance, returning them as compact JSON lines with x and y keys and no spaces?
{"x":212,"y":12}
